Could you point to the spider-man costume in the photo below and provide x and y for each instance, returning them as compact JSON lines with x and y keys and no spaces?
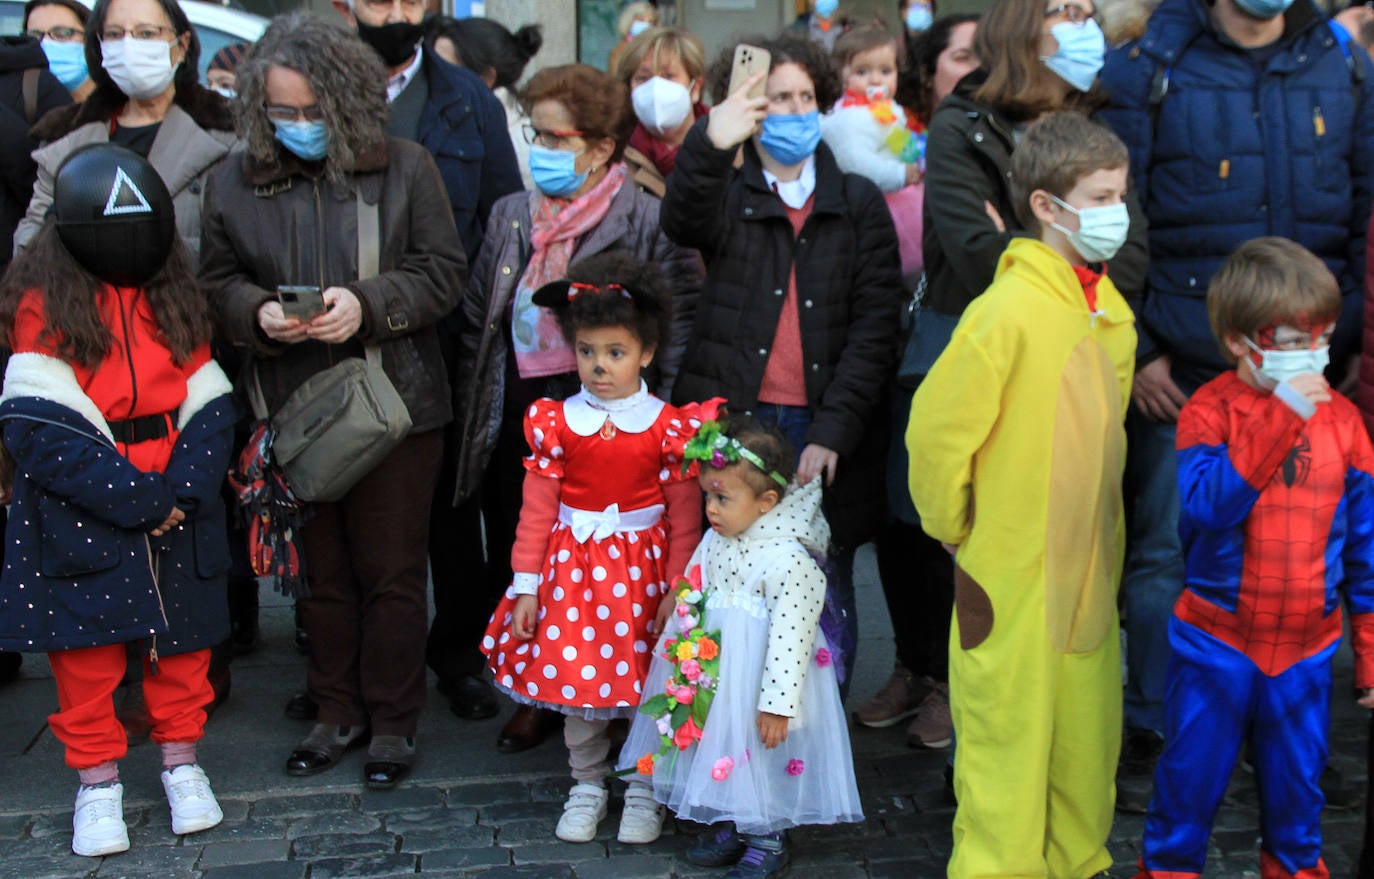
{"x":1276,"y":514}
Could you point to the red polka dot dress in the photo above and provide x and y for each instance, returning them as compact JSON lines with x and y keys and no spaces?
{"x":604,"y":568}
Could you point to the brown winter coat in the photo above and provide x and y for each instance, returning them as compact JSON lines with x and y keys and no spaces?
{"x":264,"y":228}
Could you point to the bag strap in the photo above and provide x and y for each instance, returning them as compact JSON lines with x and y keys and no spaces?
{"x":30,"y":89}
{"x":369,"y":257}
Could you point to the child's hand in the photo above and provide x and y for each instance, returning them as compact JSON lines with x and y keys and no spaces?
{"x":174,"y":518}
{"x":525,"y":616}
{"x":772,"y":729}
{"x":1366,"y":699}
{"x":665,"y":610}
{"x":914,"y":174}
{"x":1312,"y":386}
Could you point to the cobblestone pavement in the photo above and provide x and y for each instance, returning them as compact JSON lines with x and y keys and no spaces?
{"x":468,"y":811}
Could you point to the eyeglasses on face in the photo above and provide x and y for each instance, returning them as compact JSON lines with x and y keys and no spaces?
{"x":60,"y":34}
{"x":277,"y":113}
{"x":138,"y":32}
{"x":385,"y":6}
{"x":1073,"y":12}
{"x":549,"y":139}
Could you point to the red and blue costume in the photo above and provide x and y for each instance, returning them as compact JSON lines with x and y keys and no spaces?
{"x":1276,"y":518}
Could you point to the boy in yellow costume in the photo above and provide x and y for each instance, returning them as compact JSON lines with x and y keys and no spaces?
{"x":1017,"y":446}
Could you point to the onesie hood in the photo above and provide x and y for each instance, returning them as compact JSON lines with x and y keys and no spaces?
{"x":797,"y":516}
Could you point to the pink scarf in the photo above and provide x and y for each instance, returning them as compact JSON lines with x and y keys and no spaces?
{"x":537,"y":340}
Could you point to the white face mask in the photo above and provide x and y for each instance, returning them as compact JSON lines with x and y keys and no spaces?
{"x":141,"y":68}
{"x":1280,"y":366}
{"x":661,"y":104}
{"x":1101,"y":230}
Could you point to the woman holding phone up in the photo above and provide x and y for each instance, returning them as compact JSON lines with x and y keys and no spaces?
{"x":285,"y":214}
{"x":797,"y":323}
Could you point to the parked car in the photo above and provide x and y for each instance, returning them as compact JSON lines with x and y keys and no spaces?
{"x":217,"y":26}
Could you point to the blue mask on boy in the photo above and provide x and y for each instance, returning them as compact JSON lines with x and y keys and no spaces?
{"x":791,"y":138}
{"x":308,"y":139}
{"x":555,"y":171}
{"x":918,"y":18}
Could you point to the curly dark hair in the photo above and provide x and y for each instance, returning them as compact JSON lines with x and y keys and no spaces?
{"x":74,"y":328}
{"x":772,"y":448}
{"x":647,"y":315}
{"x":825,"y":76}
{"x":345,"y":74}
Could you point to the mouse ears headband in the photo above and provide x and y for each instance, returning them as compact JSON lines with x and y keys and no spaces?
{"x":562,"y":293}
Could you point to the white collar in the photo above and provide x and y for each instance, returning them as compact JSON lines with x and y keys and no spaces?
{"x":397,"y":84}
{"x":585,"y":412}
{"x":794,"y":193}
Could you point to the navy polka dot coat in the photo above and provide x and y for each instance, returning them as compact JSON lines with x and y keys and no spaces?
{"x":81,"y":569}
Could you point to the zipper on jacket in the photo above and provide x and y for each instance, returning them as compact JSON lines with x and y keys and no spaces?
{"x":128,"y":351}
{"x":161,"y":608}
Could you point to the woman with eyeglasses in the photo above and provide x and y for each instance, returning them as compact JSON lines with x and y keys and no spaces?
{"x":61,"y":26}
{"x":1037,"y":57}
{"x":142,"y":58}
{"x":511,"y":351}
{"x":286,"y":211}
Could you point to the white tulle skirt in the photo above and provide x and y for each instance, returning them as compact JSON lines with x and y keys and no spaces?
{"x":729,"y":775}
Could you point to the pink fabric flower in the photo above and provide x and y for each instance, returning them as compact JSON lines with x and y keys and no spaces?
{"x":686,"y":734}
{"x":685,"y":695}
{"x":691,"y":670}
{"x":683,"y":608}
{"x":795,"y":767}
{"x":722,"y":768}
{"x":823,"y":657}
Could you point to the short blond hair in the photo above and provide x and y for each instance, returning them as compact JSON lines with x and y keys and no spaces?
{"x":1267,"y":282}
{"x":1055,"y":153}
{"x":663,"y":42}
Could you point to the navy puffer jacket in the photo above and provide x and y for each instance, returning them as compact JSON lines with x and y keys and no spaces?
{"x":1240,"y":145}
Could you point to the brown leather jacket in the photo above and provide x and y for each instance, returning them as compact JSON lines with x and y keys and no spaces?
{"x":263,"y":229}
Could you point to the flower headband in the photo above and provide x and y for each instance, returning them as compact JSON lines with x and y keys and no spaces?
{"x":712,"y":446}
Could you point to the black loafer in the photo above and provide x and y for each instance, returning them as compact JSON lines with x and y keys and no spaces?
{"x":527,"y":727}
{"x":324,"y":747}
{"x":301,"y":707}
{"x":389,"y":759}
{"x":470,"y":697}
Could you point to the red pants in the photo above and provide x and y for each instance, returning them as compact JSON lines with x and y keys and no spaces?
{"x":86,"y":680}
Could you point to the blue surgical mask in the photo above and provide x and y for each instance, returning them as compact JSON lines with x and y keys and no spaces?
{"x":918,"y":18}
{"x":555,"y":171}
{"x":1279,"y":366}
{"x":1101,"y":230}
{"x":1082,"y":50}
{"x":791,"y":138}
{"x":307,"y":139}
{"x":638,"y":26}
{"x":67,"y":61}
{"x":826,"y":8}
{"x":1265,"y":9}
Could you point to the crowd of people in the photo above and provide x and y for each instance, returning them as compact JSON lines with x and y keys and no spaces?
{"x":628,"y":364}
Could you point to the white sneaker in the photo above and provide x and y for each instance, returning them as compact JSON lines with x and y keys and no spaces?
{"x":193,"y":803}
{"x":98,"y":823}
{"x":642,"y":820}
{"x":583,"y":811}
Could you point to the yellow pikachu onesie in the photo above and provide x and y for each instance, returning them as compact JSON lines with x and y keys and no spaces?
{"x":1017,"y":443}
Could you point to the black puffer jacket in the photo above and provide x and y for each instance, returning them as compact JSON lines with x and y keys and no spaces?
{"x":261,"y":230}
{"x":849,"y":295}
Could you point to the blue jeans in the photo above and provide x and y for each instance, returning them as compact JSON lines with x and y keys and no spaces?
{"x":793,"y":422}
{"x":1153,"y":577}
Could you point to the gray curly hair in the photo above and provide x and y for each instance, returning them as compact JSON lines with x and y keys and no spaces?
{"x":345,"y":74}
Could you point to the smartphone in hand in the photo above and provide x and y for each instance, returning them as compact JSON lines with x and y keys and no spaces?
{"x":302,"y":302}
{"x":749,"y":60}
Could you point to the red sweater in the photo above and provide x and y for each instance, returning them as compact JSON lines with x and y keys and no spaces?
{"x":784,"y":376}
{"x":137,"y":378}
